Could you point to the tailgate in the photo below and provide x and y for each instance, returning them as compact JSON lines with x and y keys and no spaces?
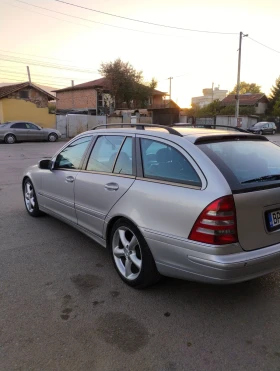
{"x":258,"y":218}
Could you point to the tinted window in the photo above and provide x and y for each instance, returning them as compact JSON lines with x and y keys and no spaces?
{"x":31,"y":126}
{"x":161,"y":161}
{"x":104,"y":153}
{"x":243,"y":160}
{"x":19,"y":125}
{"x":124,"y":161}
{"x":71,"y":156}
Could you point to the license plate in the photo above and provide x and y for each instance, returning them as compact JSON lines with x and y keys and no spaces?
{"x":273,"y":218}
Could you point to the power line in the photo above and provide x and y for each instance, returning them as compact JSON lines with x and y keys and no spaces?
{"x":140,"y":21}
{"x":8,"y":75}
{"x":268,"y":47}
{"x":37,"y":82}
{"x":44,"y":64}
{"x":85,"y":19}
{"x":32,"y":55}
{"x":34,"y":74}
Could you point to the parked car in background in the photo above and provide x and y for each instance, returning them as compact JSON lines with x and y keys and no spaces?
{"x":263,"y":128}
{"x":23,"y":131}
{"x":196,"y":204}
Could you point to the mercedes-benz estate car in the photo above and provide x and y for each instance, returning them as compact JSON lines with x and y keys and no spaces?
{"x":196,"y":204}
{"x":23,"y":131}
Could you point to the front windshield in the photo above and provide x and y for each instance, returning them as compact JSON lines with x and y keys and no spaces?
{"x":258,"y":124}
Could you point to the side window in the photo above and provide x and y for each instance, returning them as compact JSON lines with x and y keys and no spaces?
{"x":104,"y":153}
{"x":31,"y":126}
{"x":163,"y":162}
{"x":124,"y":161}
{"x":19,"y":125}
{"x":71,"y":156}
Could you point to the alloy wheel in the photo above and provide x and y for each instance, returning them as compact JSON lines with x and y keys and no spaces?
{"x":127,"y":253}
{"x":52,"y":137}
{"x":10,"y":139}
{"x":29,"y":197}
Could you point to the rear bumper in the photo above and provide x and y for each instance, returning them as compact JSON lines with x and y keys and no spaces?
{"x":186,"y":260}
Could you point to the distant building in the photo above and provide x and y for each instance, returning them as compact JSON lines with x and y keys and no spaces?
{"x":26,"y":102}
{"x":209,"y":95}
{"x":258,"y":101}
{"x":94,"y":98}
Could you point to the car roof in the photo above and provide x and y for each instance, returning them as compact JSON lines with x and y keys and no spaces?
{"x":193,"y":135}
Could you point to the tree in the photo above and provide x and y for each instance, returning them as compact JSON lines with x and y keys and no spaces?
{"x":275,"y":94}
{"x":126,"y":84}
{"x":212,"y":109}
{"x":276,"y":108}
{"x":246,"y":87}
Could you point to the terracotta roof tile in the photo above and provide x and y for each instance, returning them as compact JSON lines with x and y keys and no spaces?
{"x":102,"y":82}
{"x":9,"y":89}
{"x":244,"y":99}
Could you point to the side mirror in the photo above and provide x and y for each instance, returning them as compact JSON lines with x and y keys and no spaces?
{"x":45,"y":164}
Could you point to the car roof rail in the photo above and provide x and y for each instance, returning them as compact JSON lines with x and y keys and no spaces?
{"x":213,"y":126}
{"x":140,"y":127}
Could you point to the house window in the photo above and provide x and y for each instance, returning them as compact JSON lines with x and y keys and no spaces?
{"x":23,"y":94}
{"x":257,"y":105}
{"x":100,"y":100}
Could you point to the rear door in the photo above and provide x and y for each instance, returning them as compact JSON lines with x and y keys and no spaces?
{"x":266,"y":129}
{"x":20,"y":130}
{"x":252,"y":169}
{"x":105,"y":178}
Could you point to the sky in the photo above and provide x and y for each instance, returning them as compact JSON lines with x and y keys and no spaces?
{"x":76,"y":41}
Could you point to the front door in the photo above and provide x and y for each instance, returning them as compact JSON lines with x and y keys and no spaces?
{"x":108,"y":175}
{"x":34,"y":133}
{"x":57,"y":191}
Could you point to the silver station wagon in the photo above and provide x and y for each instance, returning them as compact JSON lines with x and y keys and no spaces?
{"x":196,"y":204}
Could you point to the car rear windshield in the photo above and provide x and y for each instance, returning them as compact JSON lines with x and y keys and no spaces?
{"x":246,"y":164}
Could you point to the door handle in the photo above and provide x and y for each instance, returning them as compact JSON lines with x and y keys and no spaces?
{"x":111,"y":186}
{"x":69,"y":179}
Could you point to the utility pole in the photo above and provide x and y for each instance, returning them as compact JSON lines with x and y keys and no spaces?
{"x":28,"y":72}
{"x":241,"y":35}
{"x":72,"y":94}
{"x":212,"y":92}
{"x":170,"y":78}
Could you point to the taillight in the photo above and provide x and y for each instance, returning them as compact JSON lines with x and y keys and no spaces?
{"x":216,"y":224}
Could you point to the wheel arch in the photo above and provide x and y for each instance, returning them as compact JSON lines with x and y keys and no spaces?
{"x":111,"y":223}
{"x":9,"y":133}
{"x":23,"y":181}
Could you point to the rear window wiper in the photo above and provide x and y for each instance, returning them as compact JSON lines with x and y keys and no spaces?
{"x":263,"y":178}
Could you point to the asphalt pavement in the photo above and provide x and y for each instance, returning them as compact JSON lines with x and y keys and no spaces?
{"x":63,"y":307}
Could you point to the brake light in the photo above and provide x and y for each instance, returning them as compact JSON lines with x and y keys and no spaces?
{"x":216,"y":224}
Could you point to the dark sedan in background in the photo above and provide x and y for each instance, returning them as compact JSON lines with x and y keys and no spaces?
{"x":263,"y":128}
{"x":20,"y":131}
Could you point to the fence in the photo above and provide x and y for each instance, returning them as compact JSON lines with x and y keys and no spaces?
{"x":73,"y":124}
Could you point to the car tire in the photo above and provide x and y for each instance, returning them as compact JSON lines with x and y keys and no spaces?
{"x":10,"y":139}
{"x":261,"y":132}
{"x":52,"y":137}
{"x":30,"y":199}
{"x":131,"y":255}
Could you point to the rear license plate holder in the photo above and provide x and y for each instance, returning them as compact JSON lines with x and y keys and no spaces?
{"x":272,"y":220}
